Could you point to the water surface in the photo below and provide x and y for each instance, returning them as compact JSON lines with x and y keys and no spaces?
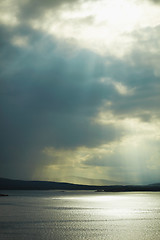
{"x":75,"y":215}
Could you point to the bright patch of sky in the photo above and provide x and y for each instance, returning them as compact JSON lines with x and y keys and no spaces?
{"x":106,"y":27}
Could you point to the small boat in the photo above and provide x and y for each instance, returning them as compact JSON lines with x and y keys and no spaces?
{"x":3,"y":195}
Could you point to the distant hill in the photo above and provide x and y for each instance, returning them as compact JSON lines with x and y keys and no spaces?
{"x":10,"y":184}
{"x":154,"y":184}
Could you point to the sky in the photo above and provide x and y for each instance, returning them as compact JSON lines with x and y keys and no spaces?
{"x":80,"y":91}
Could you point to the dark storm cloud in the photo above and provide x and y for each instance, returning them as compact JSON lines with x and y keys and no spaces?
{"x":35,"y":9}
{"x":48,"y":98}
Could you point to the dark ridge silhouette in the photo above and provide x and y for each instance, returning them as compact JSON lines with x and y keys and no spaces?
{"x":10,"y":184}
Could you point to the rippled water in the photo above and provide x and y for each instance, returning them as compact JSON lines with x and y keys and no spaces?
{"x":37,"y":215}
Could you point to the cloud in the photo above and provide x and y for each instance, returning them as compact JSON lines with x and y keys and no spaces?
{"x":134,"y":160}
{"x":155,"y":1}
{"x":49,"y":98}
{"x":67,"y":109}
{"x":31,"y":10}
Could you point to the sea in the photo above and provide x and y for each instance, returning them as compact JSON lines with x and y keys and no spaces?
{"x":77,"y":215}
